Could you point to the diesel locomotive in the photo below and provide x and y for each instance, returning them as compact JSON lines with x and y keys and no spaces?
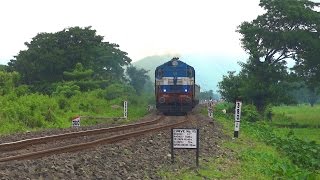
{"x":175,"y":89}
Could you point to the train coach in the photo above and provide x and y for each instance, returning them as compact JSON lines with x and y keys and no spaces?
{"x":175,"y":89}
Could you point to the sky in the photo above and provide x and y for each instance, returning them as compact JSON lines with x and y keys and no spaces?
{"x":141,"y":27}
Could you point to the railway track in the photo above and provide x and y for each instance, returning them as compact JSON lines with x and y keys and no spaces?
{"x":18,"y":145}
{"x":28,"y":142}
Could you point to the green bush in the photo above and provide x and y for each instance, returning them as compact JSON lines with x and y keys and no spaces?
{"x":116,"y":91}
{"x":33,"y":110}
{"x":228,"y":107}
{"x":8,"y":81}
{"x":304,"y":154}
{"x":268,"y":112}
{"x":250,"y":113}
{"x":63,"y":103}
{"x":7,"y":127}
{"x":22,"y":90}
{"x":67,"y":90}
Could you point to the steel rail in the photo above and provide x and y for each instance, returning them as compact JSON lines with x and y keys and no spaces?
{"x":28,"y":142}
{"x":82,"y":146}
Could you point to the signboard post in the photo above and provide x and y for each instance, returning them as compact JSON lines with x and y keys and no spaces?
{"x":185,"y":139}
{"x":210,"y":108}
{"x":125,"y":109}
{"x":76,"y":122}
{"x":237,"y":116}
{"x":210,"y":112}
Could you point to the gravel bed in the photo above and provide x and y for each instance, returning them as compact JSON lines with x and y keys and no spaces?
{"x":137,"y":158}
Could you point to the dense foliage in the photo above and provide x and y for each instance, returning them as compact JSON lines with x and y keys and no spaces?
{"x":289,"y":29}
{"x":138,"y":78}
{"x":68,"y":73}
{"x":206,"y":95}
{"x":303,"y":153}
{"x":34,"y":110}
{"x":49,"y":56}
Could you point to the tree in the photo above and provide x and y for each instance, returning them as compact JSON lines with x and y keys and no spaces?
{"x":307,"y":68}
{"x":138,"y":78}
{"x":282,"y":31}
{"x":3,"y":67}
{"x":229,"y":87}
{"x":273,"y":38}
{"x":48,"y":55}
{"x":264,"y":84}
{"x":205,"y":95}
{"x":79,"y":73}
{"x":82,"y":78}
{"x":257,"y":85}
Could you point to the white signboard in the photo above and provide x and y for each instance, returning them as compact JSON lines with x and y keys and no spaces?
{"x":76,"y":122}
{"x":185,"y":138}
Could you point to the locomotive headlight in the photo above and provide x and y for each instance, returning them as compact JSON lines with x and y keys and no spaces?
{"x":174,"y":63}
{"x":164,"y":90}
{"x":185,"y":90}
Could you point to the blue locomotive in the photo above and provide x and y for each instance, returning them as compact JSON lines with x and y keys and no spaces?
{"x":175,"y":89}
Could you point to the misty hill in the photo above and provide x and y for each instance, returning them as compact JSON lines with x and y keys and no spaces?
{"x":209,"y":69}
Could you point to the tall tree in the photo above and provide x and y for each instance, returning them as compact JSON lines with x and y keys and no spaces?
{"x":259,"y":85}
{"x":138,"y":78}
{"x":48,"y":55}
{"x":274,"y":37}
{"x":264,"y":84}
{"x":308,"y":67}
{"x":79,"y":73}
{"x":229,"y":87}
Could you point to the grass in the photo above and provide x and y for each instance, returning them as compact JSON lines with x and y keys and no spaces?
{"x":303,"y":121}
{"x":305,"y":134}
{"x":260,"y":152}
{"x":245,"y":158}
{"x":297,"y":116}
{"x":61,"y":118}
{"x":257,"y":159}
{"x":9,"y":127}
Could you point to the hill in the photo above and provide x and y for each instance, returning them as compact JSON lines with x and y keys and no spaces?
{"x":209,"y":69}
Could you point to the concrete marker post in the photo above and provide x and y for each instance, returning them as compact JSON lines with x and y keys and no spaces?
{"x":125,"y":109}
{"x":237,"y":116}
{"x":210,"y":108}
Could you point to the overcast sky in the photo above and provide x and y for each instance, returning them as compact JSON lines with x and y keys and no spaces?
{"x":141,"y":27}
